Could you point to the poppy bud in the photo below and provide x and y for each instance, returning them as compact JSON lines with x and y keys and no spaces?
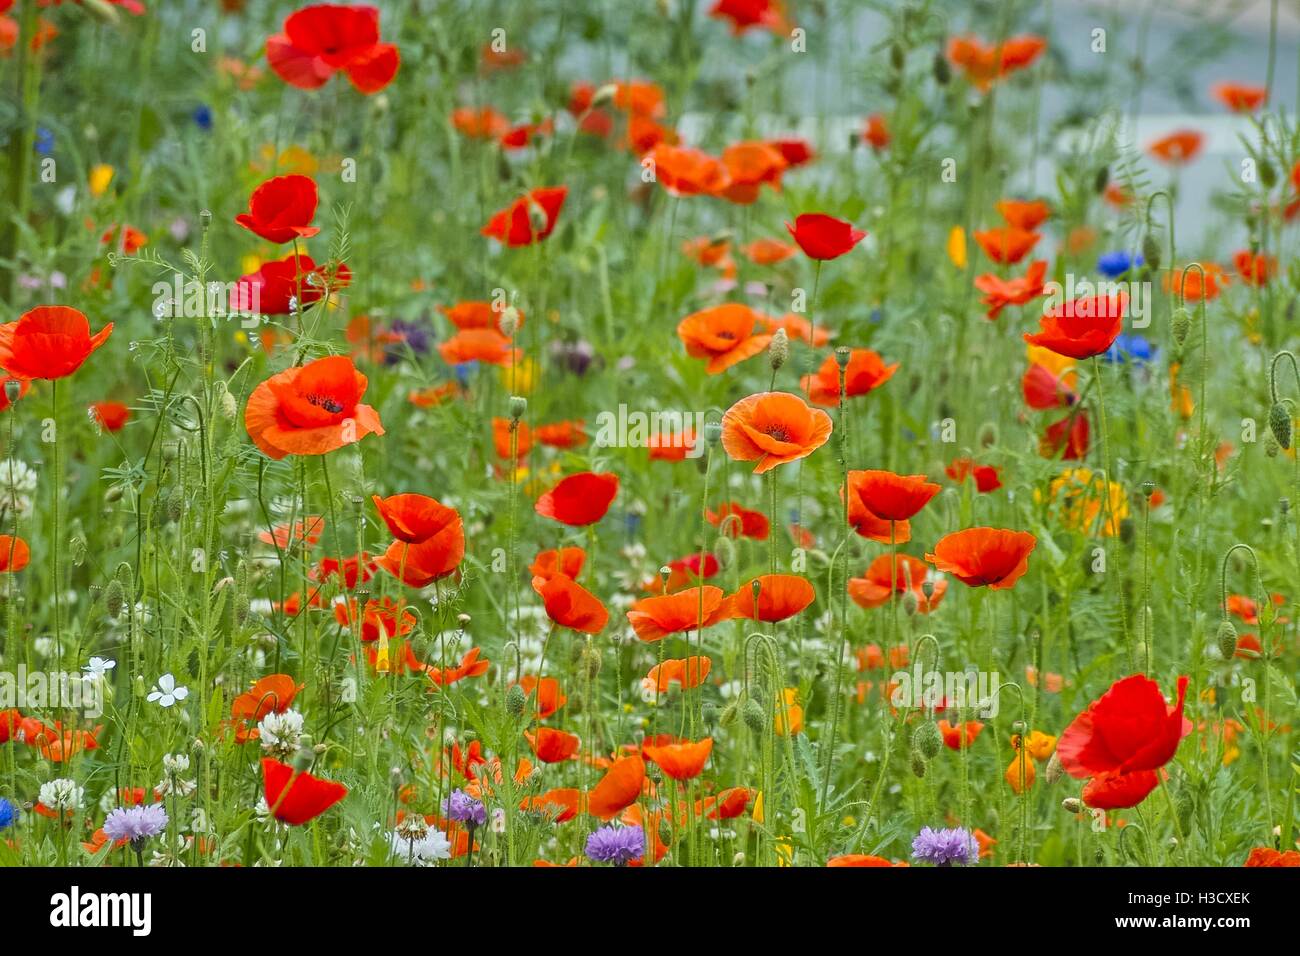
{"x":509,"y":322}
{"x":140,"y":689}
{"x":1271,"y":447}
{"x":1148,"y":488}
{"x":755,"y":719}
{"x":170,"y":449}
{"x":1279,"y":422}
{"x":910,"y":603}
{"x":175,"y":504}
{"x":518,"y":405}
{"x":1180,"y":323}
{"x":1072,"y":805}
{"x":603,"y":95}
{"x":1267,"y":174}
{"x":591,"y":661}
{"x":725,"y":551}
{"x":462,"y":619}
{"x":897,"y":56}
{"x":988,"y":434}
{"x":304,"y":758}
{"x":778,"y":350}
{"x":1019,"y":728}
{"x":942,"y":71}
{"x":1227,"y":639}
{"x":1151,"y":251}
{"x":713,"y":432}
{"x":1126,"y":530}
{"x":1102,"y":181}
{"x":729,"y":714}
{"x":13,"y":390}
{"x":1054,"y":769}
{"x":114,"y":598}
{"x":709,"y":712}
{"x":926,"y":739}
{"x":205,"y":218}
{"x":918,"y":764}
{"x":515,"y":700}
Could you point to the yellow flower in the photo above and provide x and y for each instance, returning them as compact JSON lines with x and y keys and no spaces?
{"x":957,"y":247}
{"x":1180,"y":396}
{"x":1038,"y":744}
{"x":100,"y":177}
{"x":1020,"y":775}
{"x":1054,"y":363}
{"x":520,"y":378}
{"x":789,"y":705}
{"x":250,"y":264}
{"x":1078,"y":496}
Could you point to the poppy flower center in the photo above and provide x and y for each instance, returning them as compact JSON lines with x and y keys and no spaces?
{"x":330,"y":405}
{"x":778,"y":432}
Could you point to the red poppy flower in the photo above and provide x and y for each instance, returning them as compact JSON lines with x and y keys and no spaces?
{"x":301,"y":800}
{"x":469,"y":666}
{"x":414,"y":518}
{"x":580,"y":499}
{"x":722,"y":334}
{"x":781,"y":596}
{"x":546,"y":694}
{"x":1240,"y":97}
{"x":1067,"y":438}
{"x":322,"y":39}
{"x":959,"y":736}
{"x":562,"y":434}
{"x":986,"y":476}
{"x":748,"y":14}
{"x":749,"y":167}
{"x":553,"y":746}
{"x":796,"y":151}
{"x":1122,"y":740}
{"x":485,"y":123}
{"x":281,"y":209}
{"x":429,"y":558}
{"x":379,"y":617}
{"x":561,"y":804}
{"x":571,"y":605}
{"x":892,"y":497}
{"x":866,"y":522}
{"x":49,"y":341}
{"x":14,"y":554}
{"x":865,"y":373}
{"x":773,"y":428}
{"x":654,"y":618}
{"x":683,"y":171}
{"x":681,"y":760}
{"x":1267,"y":856}
{"x":824,"y":237}
{"x":478,"y":345}
{"x":909,"y":573}
{"x":311,"y":409}
{"x":1178,"y":148}
{"x":618,"y":789}
{"x":1254,"y":268}
{"x":1082,"y":328}
{"x":876,"y":135}
{"x":530,"y":218}
{"x":686,"y":672}
{"x":1000,"y":293}
{"x":272,"y":694}
{"x":272,"y":289}
{"x":739,"y":522}
{"x":111,"y":416}
{"x":984,"y":556}
{"x":479,"y":315}
{"x":1007,"y":244}
{"x":562,"y":561}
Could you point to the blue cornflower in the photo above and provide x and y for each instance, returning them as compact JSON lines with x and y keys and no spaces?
{"x":1130,"y":348}
{"x":8,"y":814}
{"x":202,"y":116}
{"x":617,"y":845}
{"x":462,"y":808}
{"x":44,"y":141}
{"x":945,"y":847}
{"x":1114,"y":264}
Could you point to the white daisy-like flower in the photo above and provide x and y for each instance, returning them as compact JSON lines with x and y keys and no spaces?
{"x":167,"y":693}
{"x":175,"y":763}
{"x":98,"y":668}
{"x":61,"y":794}
{"x":433,"y":846}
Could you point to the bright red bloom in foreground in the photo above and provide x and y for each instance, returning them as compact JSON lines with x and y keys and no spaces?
{"x":682,"y":760}
{"x":1178,"y":148}
{"x":748,"y":14}
{"x":580,"y":499}
{"x":274,"y":693}
{"x":431,"y":544}
{"x":618,"y":789}
{"x":530,"y":218}
{"x":571,"y":605}
{"x":14,"y":554}
{"x":49,"y":341}
{"x":1082,"y":328}
{"x":322,"y":39}
{"x":892,"y":497}
{"x":824,"y":237}
{"x":1122,"y":740}
{"x":281,"y":209}
{"x":311,"y":409}
{"x":781,"y":596}
{"x":273,"y":287}
{"x":414,"y":518}
{"x":304,"y":799}
{"x":1267,"y":856}
{"x":977,"y":557}
{"x":553,"y":746}
{"x":865,"y":373}
{"x":772,"y":428}
{"x":654,"y":618}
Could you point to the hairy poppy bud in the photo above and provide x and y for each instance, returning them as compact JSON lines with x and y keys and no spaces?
{"x":1180,"y":323}
{"x":114,"y":598}
{"x":730,"y":714}
{"x":591,"y":660}
{"x":1279,"y":422}
{"x":1271,"y":447}
{"x":1227,"y":639}
{"x":1072,"y":805}
{"x":515,"y":700}
{"x":942,"y":71}
{"x":1102,"y":180}
{"x":725,"y":551}
{"x":988,"y":435}
{"x":918,"y":764}
{"x":1151,"y":251}
{"x":926,"y":739}
{"x":910,"y":603}
{"x":755,"y":719}
{"x":778,"y":350}
{"x":1054,"y":769}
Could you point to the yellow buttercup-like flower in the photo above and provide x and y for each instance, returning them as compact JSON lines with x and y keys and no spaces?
{"x":1079,"y":498}
{"x":957,"y":247}
{"x":100,"y":177}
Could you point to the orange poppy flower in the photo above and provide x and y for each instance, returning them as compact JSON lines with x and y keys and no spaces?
{"x":892,"y":497}
{"x":876,"y":135}
{"x":982,"y":64}
{"x":739,"y":522}
{"x":580,"y":499}
{"x":618,"y":789}
{"x":1023,"y":214}
{"x":767,"y":252}
{"x":1267,"y":856}
{"x":860,"y":859}
{"x":1081,"y":328}
{"x":478,"y":315}
{"x":1195,"y":285}
{"x":1020,"y":774}
{"x":1178,"y":148}
{"x":683,"y":171}
{"x":295,"y":798}
{"x":1007,"y":244}
{"x":546,"y":694}
{"x":986,"y":477}
{"x":671,"y":447}
{"x":984,"y":556}
{"x":865,"y":372}
{"x":478,"y":345}
{"x":687,"y":672}
{"x":484,"y":123}
{"x":311,"y":409}
{"x":530,"y":218}
{"x":561,"y":434}
{"x":773,"y":428}
{"x":749,"y":167}
{"x":958,"y":737}
{"x":14,"y":554}
{"x":1254,"y":269}
{"x":1240,"y":97}
{"x":553,"y":746}
{"x":681,"y":760}
{"x":781,"y":596}
{"x":49,"y":341}
{"x":1000,"y":293}
{"x":379,"y":617}
{"x":873,"y":590}
{"x":654,"y":618}
{"x":501,"y":429}
{"x":272,"y":694}
{"x":571,"y":605}
{"x":414,"y":518}
{"x":308,"y":531}
{"x":562,"y":561}
{"x":469,"y":666}
{"x":722,"y":334}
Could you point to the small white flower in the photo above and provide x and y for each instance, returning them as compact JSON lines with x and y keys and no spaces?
{"x":279,"y":733}
{"x":61,"y":794}
{"x":167,"y":693}
{"x":98,"y":668}
{"x":176,"y":763}
{"x":434,"y":845}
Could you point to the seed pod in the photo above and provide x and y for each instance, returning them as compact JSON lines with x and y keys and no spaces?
{"x":713,"y":432}
{"x":518,"y":406}
{"x":1151,"y":251}
{"x":927,"y":740}
{"x":1279,"y":422}
{"x":1072,"y":805}
{"x":515,"y":700}
{"x":755,"y":719}
{"x":1180,"y":323}
{"x":1227,"y":639}
{"x":1148,"y":488}
{"x":918,"y":764}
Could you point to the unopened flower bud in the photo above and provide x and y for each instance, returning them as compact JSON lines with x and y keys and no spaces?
{"x":1279,"y":422}
{"x":13,"y":390}
{"x":1227,"y":639}
{"x":1271,"y":447}
{"x":926,"y":739}
{"x":518,"y":406}
{"x":1054,"y":769}
{"x":303,"y":759}
{"x":515,"y":700}
{"x":842,"y":356}
{"x":1180,"y":324}
{"x":1072,"y":805}
{"x":1148,"y":488}
{"x":942,"y":71}
{"x":1151,"y":251}
{"x":918,"y":764}
{"x":754,"y":717}
{"x":114,"y":598}
{"x":1102,"y":180}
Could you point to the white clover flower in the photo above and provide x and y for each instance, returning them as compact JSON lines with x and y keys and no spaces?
{"x":279,"y":733}
{"x":15,"y":475}
{"x":61,"y":794}
{"x":175,"y":763}
{"x":166,"y":693}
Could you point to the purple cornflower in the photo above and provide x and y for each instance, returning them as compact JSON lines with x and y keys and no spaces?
{"x":463,"y":808}
{"x":414,"y":335}
{"x":136,"y":824}
{"x":945,"y":847}
{"x":617,"y":845}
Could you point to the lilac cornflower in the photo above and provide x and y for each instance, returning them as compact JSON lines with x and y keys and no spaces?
{"x":136,"y":824}
{"x":617,"y":845}
{"x":945,"y":847}
{"x":417,"y":336}
{"x":462,"y":808}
